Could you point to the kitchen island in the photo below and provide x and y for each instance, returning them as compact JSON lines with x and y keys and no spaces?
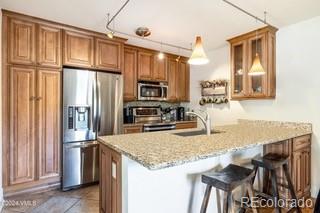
{"x":160,"y":171}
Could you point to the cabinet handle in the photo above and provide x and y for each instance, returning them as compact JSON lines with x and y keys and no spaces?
{"x":32,"y":98}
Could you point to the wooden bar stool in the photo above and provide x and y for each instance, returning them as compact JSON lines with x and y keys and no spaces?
{"x":227,"y":180}
{"x":270,"y":163}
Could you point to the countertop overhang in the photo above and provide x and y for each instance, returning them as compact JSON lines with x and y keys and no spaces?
{"x":158,"y":150}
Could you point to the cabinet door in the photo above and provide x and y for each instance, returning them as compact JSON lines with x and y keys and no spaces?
{"x":298,"y":173}
{"x":172,"y":83}
{"x":116,"y":193}
{"x":22,"y":44}
{"x":145,"y":65}
{"x":110,"y":180}
{"x":257,"y":86}
{"x":22,"y":125}
{"x":160,"y":72}
{"x":130,"y":75}
{"x":238,"y":69}
{"x":48,"y":101}
{"x":307,"y":171}
{"x":108,"y":55}
{"x":78,"y":49}
{"x":105,"y":180}
{"x":183,"y":81}
{"x":49,"y":46}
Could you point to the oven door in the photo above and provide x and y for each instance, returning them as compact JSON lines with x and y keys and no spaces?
{"x":152,"y":92}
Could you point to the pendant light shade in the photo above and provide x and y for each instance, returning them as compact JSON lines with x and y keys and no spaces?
{"x":256,"y":68}
{"x":198,"y":56}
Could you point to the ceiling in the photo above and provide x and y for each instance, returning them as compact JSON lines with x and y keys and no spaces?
{"x":172,"y":21}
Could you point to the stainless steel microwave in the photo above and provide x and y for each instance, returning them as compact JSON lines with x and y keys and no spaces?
{"x":152,"y":91}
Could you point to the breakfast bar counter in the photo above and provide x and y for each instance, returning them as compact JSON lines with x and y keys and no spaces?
{"x":160,"y":171}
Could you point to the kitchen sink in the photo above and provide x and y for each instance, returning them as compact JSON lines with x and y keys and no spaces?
{"x":195,"y":133}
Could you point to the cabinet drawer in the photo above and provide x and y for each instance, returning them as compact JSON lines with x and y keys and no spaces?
{"x":132,"y":129}
{"x":186,"y":125}
{"x":301,"y":142}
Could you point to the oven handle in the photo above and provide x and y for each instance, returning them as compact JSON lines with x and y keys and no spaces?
{"x":159,"y":128}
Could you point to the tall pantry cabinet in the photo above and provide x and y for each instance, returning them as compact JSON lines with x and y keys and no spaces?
{"x":31,"y":89}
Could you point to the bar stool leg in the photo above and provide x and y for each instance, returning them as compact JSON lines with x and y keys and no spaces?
{"x":275,"y":189}
{"x":226,"y":201}
{"x":206,"y":199}
{"x":251,"y":196}
{"x":291,"y":188}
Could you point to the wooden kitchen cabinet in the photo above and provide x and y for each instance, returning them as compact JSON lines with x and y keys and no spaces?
{"x":22,"y":41}
{"x":132,"y":128}
{"x":130,"y":74}
{"x":243,"y":50}
{"x":186,"y":124}
{"x":299,"y":152}
{"x":160,"y":71}
{"x":48,"y":101}
{"x":173,"y":68}
{"x":183,"y":81}
{"x":22,"y":136}
{"x":110,"y":180}
{"x":49,"y":46}
{"x":78,"y":49}
{"x":145,"y":65}
{"x":108,"y":55}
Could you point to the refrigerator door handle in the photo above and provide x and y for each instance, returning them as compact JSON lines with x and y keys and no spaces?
{"x":99,"y":106}
{"x":93,"y":111}
{"x":115,"y":126}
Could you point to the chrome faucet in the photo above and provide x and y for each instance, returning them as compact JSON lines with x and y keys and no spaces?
{"x":205,"y":120}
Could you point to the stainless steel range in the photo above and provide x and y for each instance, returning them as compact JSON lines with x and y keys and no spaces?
{"x":151,"y":118}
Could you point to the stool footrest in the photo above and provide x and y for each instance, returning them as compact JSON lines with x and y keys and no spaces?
{"x":264,"y":195}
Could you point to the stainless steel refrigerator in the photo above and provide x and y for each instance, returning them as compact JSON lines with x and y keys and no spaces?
{"x":92,"y":107}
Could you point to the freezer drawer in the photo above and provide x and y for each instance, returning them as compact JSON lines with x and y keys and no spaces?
{"x":81,"y":164}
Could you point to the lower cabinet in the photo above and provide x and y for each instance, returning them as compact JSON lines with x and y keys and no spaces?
{"x":299,"y":152}
{"x":132,"y":128}
{"x":110,"y":180}
{"x":32,"y":151}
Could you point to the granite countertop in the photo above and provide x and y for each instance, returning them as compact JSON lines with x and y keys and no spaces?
{"x":158,"y":150}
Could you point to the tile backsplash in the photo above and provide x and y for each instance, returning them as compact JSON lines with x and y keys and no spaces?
{"x":150,"y":103}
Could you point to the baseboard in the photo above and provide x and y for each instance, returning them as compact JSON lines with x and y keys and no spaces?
{"x":33,"y":189}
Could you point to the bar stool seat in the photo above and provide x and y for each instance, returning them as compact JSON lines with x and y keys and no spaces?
{"x":270,"y":161}
{"x":227,"y":180}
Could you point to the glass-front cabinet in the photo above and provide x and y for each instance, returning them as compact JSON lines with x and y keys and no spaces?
{"x":243,"y":51}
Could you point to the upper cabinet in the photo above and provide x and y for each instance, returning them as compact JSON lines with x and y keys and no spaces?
{"x":151,"y":68}
{"x":173,"y":67}
{"x":183,"y":81}
{"x":49,"y":46}
{"x":108,"y":55}
{"x":130,"y":74}
{"x":78,"y":49}
{"x":178,"y":80}
{"x":243,"y":51}
{"x":145,"y":65}
{"x":160,"y":70}
{"x":22,"y":42}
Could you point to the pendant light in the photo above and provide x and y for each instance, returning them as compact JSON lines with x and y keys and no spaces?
{"x":198,"y":56}
{"x":256,"y":68}
{"x":110,"y":34}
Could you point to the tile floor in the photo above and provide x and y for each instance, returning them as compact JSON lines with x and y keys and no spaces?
{"x":84,"y":200}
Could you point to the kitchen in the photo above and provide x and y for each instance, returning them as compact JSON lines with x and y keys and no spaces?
{"x":148,"y":87}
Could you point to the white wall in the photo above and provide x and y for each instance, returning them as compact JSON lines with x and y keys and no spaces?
{"x":298,"y":85}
